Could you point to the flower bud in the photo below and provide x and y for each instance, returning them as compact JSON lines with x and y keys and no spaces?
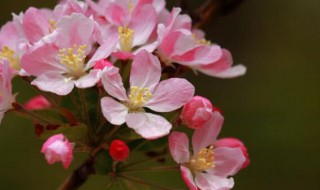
{"x":37,"y":103}
{"x":196,"y":112}
{"x":58,"y":149}
{"x":101,"y":64}
{"x":119,"y":151}
{"x":234,"y":143}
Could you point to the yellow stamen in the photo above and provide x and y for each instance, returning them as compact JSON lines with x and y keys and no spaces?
{"x":126,"y":38}
{"x":73,"y":58}
{"x":203,"y":160}
{"x":202,"y":41}
{"x":138,"y":97}
{"x":130,"y":6}
{"x":9,"y":54}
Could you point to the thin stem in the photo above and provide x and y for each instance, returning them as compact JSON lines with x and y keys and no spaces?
{"x":139,"y":145}
{"x":143,"y":161}
{"x":137,"y":180}
{"x":20,"y":109}
{"x":85,"y":112}
{"x":153,"y":169}
{"x":113,"y":131}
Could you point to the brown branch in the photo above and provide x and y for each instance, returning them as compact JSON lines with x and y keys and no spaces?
{"x":79,"y":176}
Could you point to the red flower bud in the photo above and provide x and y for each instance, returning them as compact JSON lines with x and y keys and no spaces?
{"x":119,"y":151}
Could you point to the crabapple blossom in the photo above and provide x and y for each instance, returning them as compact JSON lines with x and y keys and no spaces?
{"x":58,"y":149}
{"x":207,"y":167}
{"x":147,"y":91}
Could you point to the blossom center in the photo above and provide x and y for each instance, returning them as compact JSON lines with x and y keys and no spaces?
{"x":203,"y":160}
{"x":138,"y":97}
{"x":74,"y":59}
{"x":201,"y":41}
{"x":126,"y":38}
{"x":9,"y":54}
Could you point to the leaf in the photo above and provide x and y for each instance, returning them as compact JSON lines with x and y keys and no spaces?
{"x":103,"y":163}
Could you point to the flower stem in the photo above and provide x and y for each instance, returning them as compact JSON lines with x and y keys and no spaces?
{"x":20,"y":109}
{"x":153,"y":169}
{"x":85,"y":111}
{"x":143,"y":161}
{"x":137,"y":180}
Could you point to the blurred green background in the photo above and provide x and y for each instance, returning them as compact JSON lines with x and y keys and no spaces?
{"x":274,"y":108}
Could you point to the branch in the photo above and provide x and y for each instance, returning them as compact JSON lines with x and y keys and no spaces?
{"x":79,"y":176}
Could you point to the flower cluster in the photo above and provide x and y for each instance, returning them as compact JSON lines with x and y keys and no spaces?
{"x":109,"y":77}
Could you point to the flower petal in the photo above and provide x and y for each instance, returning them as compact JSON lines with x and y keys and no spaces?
{"x":113,"y":111}
{"x":149,"y":126}
{"x":222,"y":68}
{"x":228,"y":161}
{"x":211,"y":182}
{"x":54,"y":82}
{"x":207,"y":134}
{"x":170,"y":95}
{"x":188,"y":178}
{"x":145,"y":70}
{"x":179,"y":147}
{"x":89,"y":80}
{"x":112,"y":83}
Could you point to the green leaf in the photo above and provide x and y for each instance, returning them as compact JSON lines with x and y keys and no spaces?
{"x":103,"y":163}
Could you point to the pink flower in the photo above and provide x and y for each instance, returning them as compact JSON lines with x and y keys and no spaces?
{"x":178,"y":44}
{"x":61,"y":64}
{"x":208,"y":167}
{"x":234,"y":143}
{"x":146,"y":90}
{"x":6,"y":97}
{"x":131,"y":22}
{"x":196,"y":112}
{"x":58,"y":149}
{"x":222,"y":68}
{"x":37,"y":102}
{"x":119,"y":151}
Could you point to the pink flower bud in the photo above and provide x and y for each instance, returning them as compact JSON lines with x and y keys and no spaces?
{"x":58,"y":148}
{"x":101,"y":64}
{"x":119,"y":151}
{"x":234,"y":143}
{"x":37,"y":103}
{"x":196,"y":112}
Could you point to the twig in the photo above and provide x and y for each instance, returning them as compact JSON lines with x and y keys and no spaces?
{"x":79,"y":176}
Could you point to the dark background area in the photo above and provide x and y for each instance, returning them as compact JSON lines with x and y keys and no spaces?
{"x":274,"y":108}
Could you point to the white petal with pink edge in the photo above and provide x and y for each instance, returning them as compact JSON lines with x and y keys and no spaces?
{"x":170,"y":95}
{"x":88,"y":80}
{"x":149,"y":126}
{"x":113,"y":111}
{"x":210,"y":182}
{"x":228,"y":161}
{"x":188,"y":178}
{"x":179,"y":147}
{"x":54,"y":82}
{"x":145,"y":70}
{"x":112,"y":83}
{"x":207,"y":134}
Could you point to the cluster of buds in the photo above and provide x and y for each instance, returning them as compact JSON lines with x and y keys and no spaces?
{"x":109,"y":78}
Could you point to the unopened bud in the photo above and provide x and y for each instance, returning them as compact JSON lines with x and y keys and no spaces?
{"x":119,"y":151}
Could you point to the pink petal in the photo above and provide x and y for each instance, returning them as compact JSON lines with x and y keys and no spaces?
{"x":41,"y":60}
{"x":75,"y":29}
{"x":37,"y":103}
{"x":113,"y":111}
{"x":149,"y":126}
{"x":207,"y":134}
{"x":143,"y":22}
{"x":188,"y":178}
{"x":103,"y":51}
{"x":170,"y":95}
{"x":145,"y":70}
{"x":116,"y":14}
{"x":54,"y":82}
{"x":179,"y":147}
{"x":122,"y":55}
{"x":112,"y":83}
{"x":210,"y":182}
{"x":227,"y":161}
{"x":88,"y":80}
{"x":35,"y":24}
{"x":222,"y":68}
{"x":58,"y":137}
